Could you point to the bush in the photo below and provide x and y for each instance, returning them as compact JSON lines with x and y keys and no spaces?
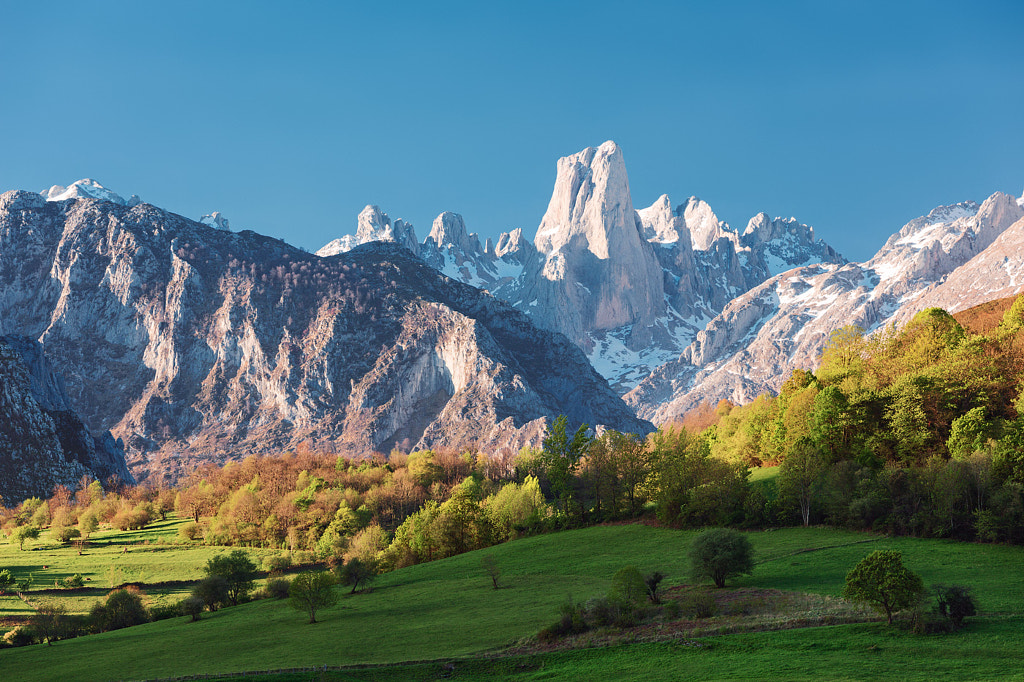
{"x":190,"y":532}
{"x":955,"y":602}
{"x":6,"y":580}
{"x":192,"y":606}
{"x":653,"y":581}
{"x":277,"y":588}
{"x":19,"y":636}
{"x":277,"y":564}
{"x":571,"y":620}
{"x":698,"y":604}
{"x":122,"y":608}
{"x":212,"y":591}
{"x":720,"y":554}
{"x":628,"y":586}
{"x":73,"y":581}
{"x":673,"y":610}
{"x":164,"y":611}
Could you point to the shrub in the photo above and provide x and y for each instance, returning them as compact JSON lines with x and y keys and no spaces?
{"x":653,"y":581}
{"x":277,"y":564}
{"x":673,"y":610}
{"x":6,"y":580}
{"x":73,"y":581}
{"x":19,"y":636}
{"x":571,"y":620}
{"x":122,"y":608}
{"x":211,"y":591}
{"x":164,"y":611}
{"x":720,"y":554}
{"x":628,"y":586}
{"x":190,"y":532}
{"x":192,"y":606}
{"x":277,"y":588}
{"x":698,"y":604}
{"x":955,"y":602}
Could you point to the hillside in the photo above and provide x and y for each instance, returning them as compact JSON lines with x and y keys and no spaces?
{"x":416,"y":609}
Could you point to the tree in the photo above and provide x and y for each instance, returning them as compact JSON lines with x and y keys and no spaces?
{"x":211,"y":591}
{"x":238,"y":570}
{"x":628,"y":586}
{"x":192,"y":606}
{"x":6,"y":580}
{"x":720,"y":554}
{"x":561,"y":456}
{"x":355,"y":572}
{"x":884,"y":583}
{"x":49,"y":622}
{"x":313,"y":591}
{"x":123,"y":608}
{"x":22,"y":533}
{"x":492,"y":569}
{"x":801,"y":476}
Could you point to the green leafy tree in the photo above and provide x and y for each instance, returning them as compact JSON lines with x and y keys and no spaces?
{"x":882,"y":581}
{"x":312,"y":591}
{"x":561,"y":456}
{"x":720,"y":554}
{"x":212,"y":591}
{"x":628,"y":586}
{"x":238,"y":570}
{"x":356,"y":572}
{"x":22,"y":533}
{"x":50,"y":623}
{"x":801,"y":477}
{"x":122,"y":608}
{"x":968,"y":434}
{"x":6,"y":580}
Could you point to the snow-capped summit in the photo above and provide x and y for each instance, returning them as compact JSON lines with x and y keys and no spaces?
{"x":87,"y":188}
{"x":216,"y":220}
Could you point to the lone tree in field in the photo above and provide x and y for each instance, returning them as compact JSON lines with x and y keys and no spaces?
{"x":490,"y":565}
{"x":22,"y":533}
{"x":238,"y":570}
{"x":884,"y":583}
{"x":313,"y":591}
{"x":720,"y":554}
{"x":355,"y":573}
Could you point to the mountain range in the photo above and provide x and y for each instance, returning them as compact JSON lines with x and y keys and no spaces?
{"x":191,"y":342}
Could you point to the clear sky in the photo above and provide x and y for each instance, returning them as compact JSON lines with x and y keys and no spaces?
{"x":289,"y":117}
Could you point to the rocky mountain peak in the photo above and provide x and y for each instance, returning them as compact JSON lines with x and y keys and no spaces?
{"x":661,"y":224}
{"x":373,"y":225}
{"x":86,"y":188}
{"x":590,"y":204}
{"x":704,"y":226}
{"x":216,"y":220}
{"x":450,"y":229}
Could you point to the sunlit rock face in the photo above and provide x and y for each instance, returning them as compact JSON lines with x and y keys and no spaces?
{"x":192,"y":343}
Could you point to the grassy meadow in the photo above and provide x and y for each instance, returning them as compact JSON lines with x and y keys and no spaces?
{"x":448,"y":610}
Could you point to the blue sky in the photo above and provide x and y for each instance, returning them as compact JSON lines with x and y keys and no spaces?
{"x":290,"y":117}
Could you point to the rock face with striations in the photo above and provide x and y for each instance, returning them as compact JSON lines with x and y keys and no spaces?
{"x":760,"y":336}
{"x":43,"y":443}
{"x":197,"y":344}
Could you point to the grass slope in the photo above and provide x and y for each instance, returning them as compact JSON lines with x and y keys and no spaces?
{"x":448,"y":609}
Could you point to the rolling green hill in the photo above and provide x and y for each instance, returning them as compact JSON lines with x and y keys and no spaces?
{"x":448,"y":609}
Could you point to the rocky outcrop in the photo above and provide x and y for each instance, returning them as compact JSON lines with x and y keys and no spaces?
{"x":43,"y":443}
{"x":759,"y":337}
{"x":197,"y":344}
{"x":630,"y":287}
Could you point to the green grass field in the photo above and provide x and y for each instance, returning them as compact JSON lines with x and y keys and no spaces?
{"x":111,"y":558}
{"x":448,"y":609}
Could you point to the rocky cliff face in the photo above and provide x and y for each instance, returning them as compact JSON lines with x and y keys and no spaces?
{"x":43,"y":443}
{"x":760,"y":336}
{"x":631,"y":287}
{"x":192,"y":343}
